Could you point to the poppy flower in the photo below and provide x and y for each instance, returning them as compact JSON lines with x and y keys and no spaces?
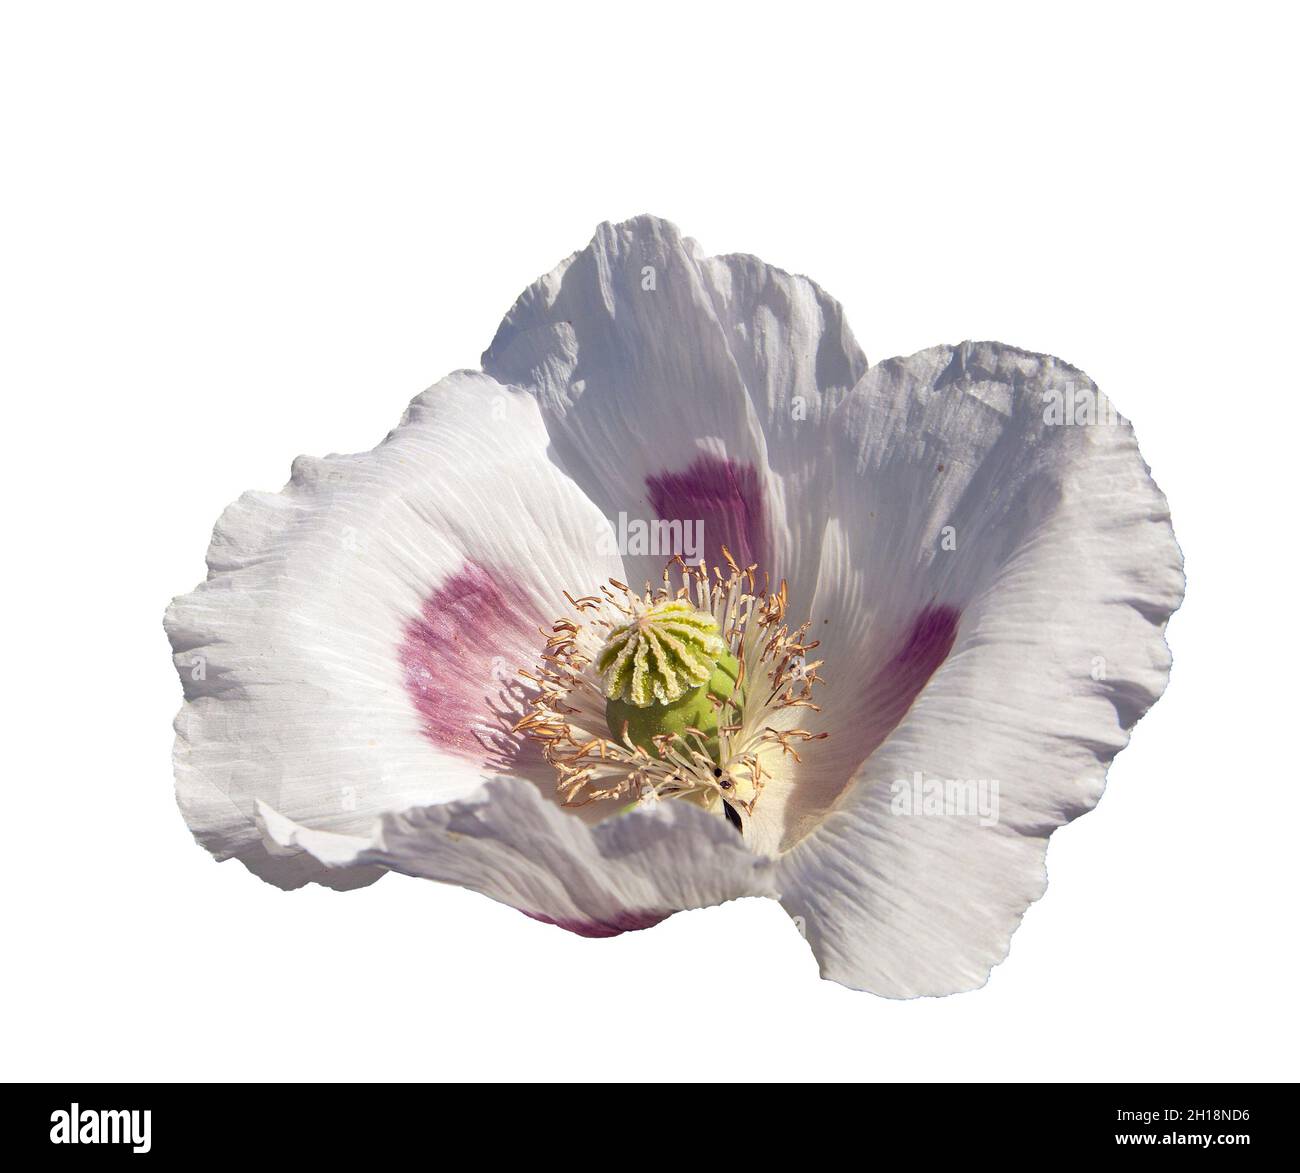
{"x":676,"y":601}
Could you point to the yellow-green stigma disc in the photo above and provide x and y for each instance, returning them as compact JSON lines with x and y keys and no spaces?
{"x":667,"y":671}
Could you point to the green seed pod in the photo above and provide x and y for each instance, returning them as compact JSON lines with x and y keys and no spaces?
{"x":693,"y":710}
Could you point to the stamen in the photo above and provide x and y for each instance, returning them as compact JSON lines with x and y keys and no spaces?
{"x":676,"y":692}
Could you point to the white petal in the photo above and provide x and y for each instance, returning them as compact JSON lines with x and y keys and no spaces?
{"x":357,"y":630}
{"x":798,"y":360}
{"x":507,"y":842}
{"x":1063,"y":577}
{"x":669,"y":384}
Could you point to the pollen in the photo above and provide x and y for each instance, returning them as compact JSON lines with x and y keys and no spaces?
{"x":690,"y":690}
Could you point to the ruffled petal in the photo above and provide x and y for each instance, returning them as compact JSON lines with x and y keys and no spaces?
{"x":508,"y":843}
{"x":798,"y":360}
{"x":994,"y":594}
{"x":355,"y":648}
{"x":687,"y":389}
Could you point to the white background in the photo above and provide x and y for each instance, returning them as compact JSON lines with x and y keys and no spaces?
{"x":234,"y":233}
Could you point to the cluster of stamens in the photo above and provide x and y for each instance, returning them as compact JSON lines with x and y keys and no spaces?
{"x":587,"y":667}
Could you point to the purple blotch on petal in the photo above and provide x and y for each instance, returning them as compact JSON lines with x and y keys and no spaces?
{"x":623,"y":922}
{"x":892,"y":689}
{"x":460,"y":658}
{"x":726,"y":497}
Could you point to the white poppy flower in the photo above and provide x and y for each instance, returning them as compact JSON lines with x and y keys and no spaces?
{"x":934,"y":608}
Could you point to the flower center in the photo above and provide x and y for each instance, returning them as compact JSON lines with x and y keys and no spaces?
{"x":668,"y":671}
{"x":688,"y":692}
